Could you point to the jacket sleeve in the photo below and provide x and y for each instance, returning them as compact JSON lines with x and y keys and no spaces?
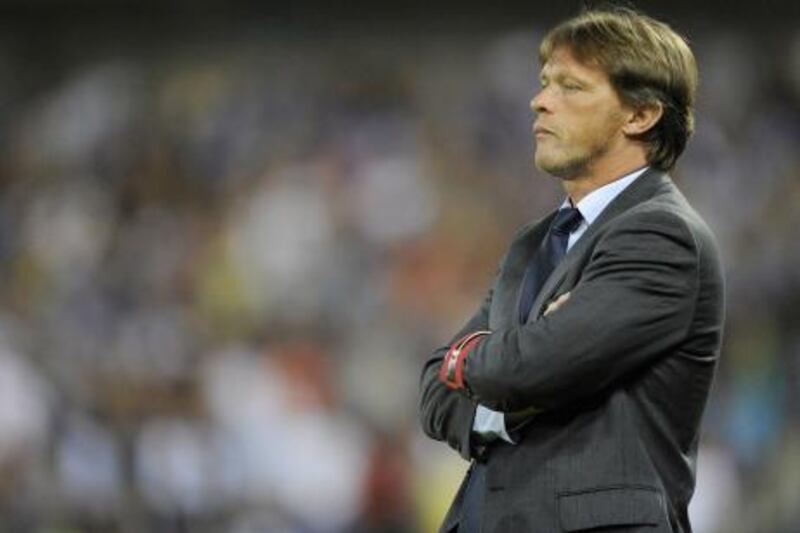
{"x":445,"y":414}
{"x":633,"y":304}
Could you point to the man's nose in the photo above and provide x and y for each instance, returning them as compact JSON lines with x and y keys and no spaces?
{"x":538,"y":102}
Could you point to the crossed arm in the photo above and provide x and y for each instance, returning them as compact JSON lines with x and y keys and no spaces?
{"x":633,"y":304}
{"x":445,"y":414}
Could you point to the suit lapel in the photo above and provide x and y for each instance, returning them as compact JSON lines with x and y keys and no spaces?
{"x":643,"y":188}
{"x":505,"y":302}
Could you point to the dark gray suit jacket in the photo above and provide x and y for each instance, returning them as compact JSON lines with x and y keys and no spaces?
{"x":620,"y":373}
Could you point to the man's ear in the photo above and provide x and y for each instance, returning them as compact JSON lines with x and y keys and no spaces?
{"x":642,"y":119}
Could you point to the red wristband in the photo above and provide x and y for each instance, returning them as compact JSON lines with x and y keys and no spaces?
{"x":451,"y":372}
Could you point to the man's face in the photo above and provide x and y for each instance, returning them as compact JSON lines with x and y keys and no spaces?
{"x":580,"y":116}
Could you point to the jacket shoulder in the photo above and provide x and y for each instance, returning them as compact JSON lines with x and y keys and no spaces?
{"x":670,"y":208}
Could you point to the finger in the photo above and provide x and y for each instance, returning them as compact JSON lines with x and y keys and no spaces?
{"x":555,"y":304}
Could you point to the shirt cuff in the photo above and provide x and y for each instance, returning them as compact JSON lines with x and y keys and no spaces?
{"x":490,"y":425}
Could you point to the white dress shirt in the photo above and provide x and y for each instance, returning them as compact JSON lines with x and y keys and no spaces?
{"x":490,"y":424}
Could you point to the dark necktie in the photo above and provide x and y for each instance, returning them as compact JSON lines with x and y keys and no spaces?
{"x":549,"y":254}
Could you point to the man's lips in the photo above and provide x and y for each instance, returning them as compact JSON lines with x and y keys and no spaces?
{"x":540,"y":131}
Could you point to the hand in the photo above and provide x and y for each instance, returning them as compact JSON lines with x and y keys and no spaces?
{"x":556,"y":304}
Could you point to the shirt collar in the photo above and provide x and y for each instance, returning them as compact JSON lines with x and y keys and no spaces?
{"x":596,"y":201}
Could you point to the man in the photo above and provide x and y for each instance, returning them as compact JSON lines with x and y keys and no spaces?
{"x":578,"y":387}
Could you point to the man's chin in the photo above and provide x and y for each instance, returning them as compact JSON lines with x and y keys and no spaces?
{"x":565,"y":170}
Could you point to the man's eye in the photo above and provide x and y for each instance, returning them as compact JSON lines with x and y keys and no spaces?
{"x":572,"y":86}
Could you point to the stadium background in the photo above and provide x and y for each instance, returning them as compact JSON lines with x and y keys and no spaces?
{"x":231,"y":232}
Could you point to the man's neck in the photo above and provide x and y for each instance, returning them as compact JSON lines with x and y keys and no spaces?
{"x":580,"y":186}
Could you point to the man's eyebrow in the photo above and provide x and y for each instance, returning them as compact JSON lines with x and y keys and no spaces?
{"x":543,"y":75}
{"x":560,"y":75}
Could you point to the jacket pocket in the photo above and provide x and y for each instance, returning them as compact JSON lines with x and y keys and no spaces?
{"x":617,"y":506}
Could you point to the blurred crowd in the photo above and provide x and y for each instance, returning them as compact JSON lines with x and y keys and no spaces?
{"x":224,"y":261}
